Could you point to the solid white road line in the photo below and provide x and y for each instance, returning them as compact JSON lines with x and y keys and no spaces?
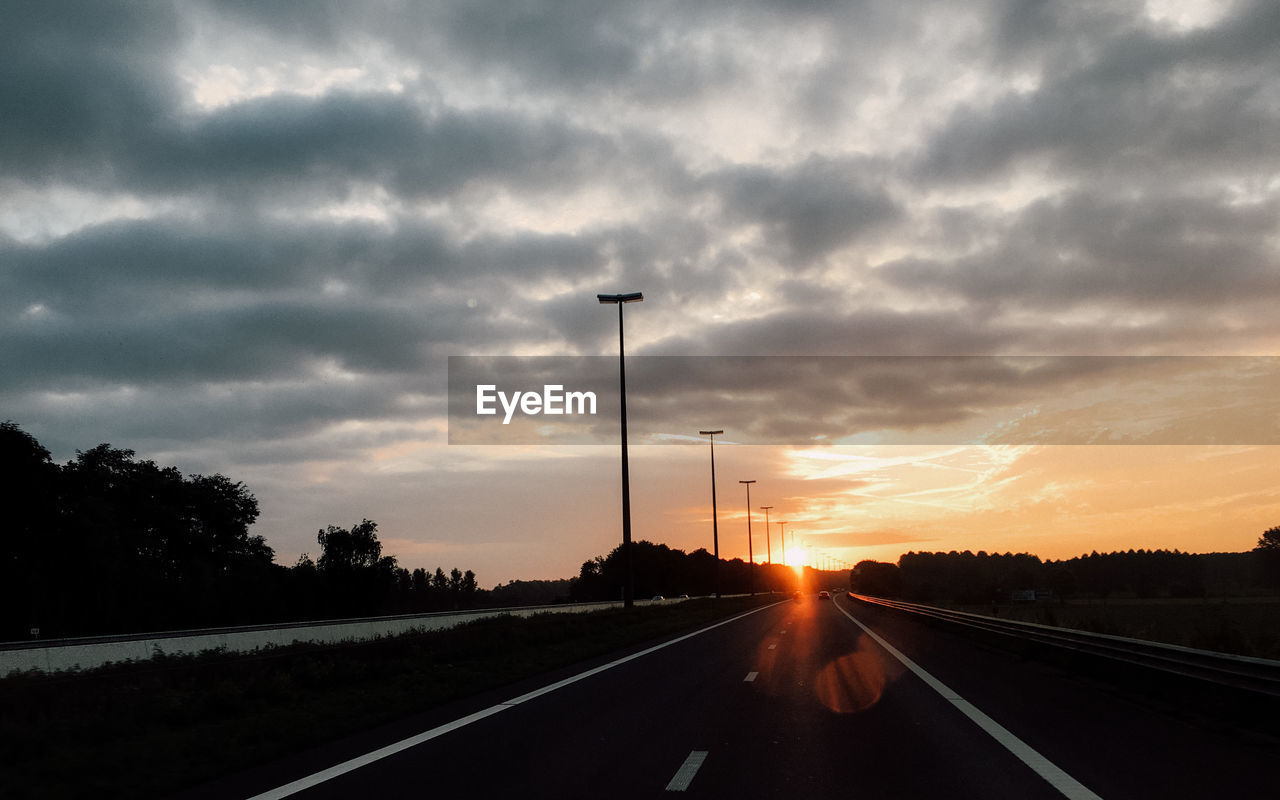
{"x":684,"y":775}
{"x":751,"y":676}
{"x":1046,"y":769}
{"x":404,"y":744}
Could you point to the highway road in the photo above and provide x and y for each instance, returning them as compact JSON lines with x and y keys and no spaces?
{"x":803,"y":699}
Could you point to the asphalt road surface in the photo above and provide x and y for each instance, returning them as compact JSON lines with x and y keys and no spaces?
{"x":812,"y":698}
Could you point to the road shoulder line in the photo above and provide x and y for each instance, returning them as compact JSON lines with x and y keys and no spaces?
{"x":1028,"y":755}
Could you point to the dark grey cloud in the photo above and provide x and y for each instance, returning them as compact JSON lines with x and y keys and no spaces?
{"x":655,"y":54}
{"x":80,"y":85}
{"x":1124,"y":100}
{"x":1139,"y":252}
{"x":93,"y":98}
{"x":823,"y":327}
{"x":279,"y":421}
{"x":810,"y":209}
{"x":120,"y":269}
{"x":564,"y":43}
{"x":279,"y":339}
{"x":382,"y":139}
{"x":572,"y":44}
{"x":322,"y":146}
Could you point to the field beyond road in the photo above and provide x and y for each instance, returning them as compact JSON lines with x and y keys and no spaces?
{"x":1246,"y":626}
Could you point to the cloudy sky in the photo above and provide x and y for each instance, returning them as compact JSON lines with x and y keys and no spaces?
{"x":246,"y":240}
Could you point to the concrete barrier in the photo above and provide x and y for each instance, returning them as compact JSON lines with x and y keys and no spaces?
{"x":94,"y":651}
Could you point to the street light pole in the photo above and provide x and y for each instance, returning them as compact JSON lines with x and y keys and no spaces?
{"x":715,"y":517}
{"x":750,"y":553}
{"x":782,"y":534}
{"x":768,"y":538}
{"x":768,"y":544}
{"x":628,"y":591}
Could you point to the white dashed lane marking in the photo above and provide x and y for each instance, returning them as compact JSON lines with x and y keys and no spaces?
{"x":684,"y":775}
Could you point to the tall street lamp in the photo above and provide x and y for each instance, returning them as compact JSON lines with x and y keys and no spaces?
{"x":715,"y":523}
{"x":628,"y":590}
{"x":750,"y":554}
{"x":782,"y":535}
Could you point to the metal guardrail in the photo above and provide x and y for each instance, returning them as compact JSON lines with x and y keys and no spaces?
{"x":1241,"y":672}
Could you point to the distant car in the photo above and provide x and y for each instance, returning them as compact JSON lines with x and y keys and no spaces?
{"x":795,"y":595}
{"x":683,"y":597}
{"x":658,"y":597}
{"x":824,"y":595}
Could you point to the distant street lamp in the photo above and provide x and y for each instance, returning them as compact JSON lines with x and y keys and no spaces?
{"x":768,"y":544}
{"x":715,"y":524}
{"x":782,"y":534}
{"x":750,"y":554}
{"x":628,"y":591}
{"x":768,"y":538}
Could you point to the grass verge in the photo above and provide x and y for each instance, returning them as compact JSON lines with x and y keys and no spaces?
{"x":153,"y":728}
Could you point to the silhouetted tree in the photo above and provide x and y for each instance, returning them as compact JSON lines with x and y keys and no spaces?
{"x":109,"y":543}
{"x":1269,"y":541}
{"x":1267,"y":554}
{"x":347,"y":550}
{"x":28,"y":533}
{"x":357,"y":578}
{"x":876,"y":578}
{"x":530,"y":593}
{"x":590,"y":583}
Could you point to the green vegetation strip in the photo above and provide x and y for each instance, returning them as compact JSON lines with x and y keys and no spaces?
{"x":147,"y":729}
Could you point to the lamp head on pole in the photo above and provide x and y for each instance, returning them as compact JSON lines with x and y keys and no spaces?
{"x":710,"y":433}
{"x":630,"y":297}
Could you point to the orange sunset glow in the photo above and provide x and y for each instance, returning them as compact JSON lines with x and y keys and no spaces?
{"x":1054,"y":501}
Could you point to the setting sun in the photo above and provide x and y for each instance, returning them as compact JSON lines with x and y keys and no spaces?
{"x":795,"y":557}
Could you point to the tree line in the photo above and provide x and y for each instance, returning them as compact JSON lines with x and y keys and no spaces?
{"x":970,"y":578}
{"x":669,"y":572}
{"x":109,"y":543}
